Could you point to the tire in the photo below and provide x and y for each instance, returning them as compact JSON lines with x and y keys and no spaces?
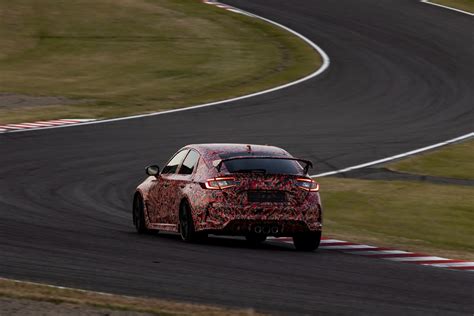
{"x":186,"y":225}
{"x":307,"y":241}
{"x":139,"y":215}
{"x":255,"y":239}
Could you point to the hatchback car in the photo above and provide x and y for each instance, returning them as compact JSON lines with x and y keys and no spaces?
{"x":231,"y":189}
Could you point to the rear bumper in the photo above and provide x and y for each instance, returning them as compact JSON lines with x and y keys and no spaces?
{"x":270,"y":220}
{"x":267,"y":227}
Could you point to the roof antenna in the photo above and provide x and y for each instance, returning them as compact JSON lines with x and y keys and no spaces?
{"x":249,"y":149}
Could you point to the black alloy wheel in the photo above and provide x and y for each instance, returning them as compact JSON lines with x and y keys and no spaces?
{"x":139,"y":215}
{"x":186,"y":224}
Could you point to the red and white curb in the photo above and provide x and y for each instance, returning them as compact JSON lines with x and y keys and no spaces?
{"x":226,"y":7}
{"x":40,"y":124}
{"x":390,"y":254}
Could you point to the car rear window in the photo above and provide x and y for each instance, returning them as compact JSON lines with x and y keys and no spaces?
{"x":264,"y":165}
{"x":226,"y":155}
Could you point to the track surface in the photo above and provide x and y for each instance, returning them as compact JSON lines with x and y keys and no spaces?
{"x":400,"y":79}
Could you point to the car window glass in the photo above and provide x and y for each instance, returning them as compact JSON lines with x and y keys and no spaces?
{"x":189,"y":163}
{"x":174,"y":163}
{"x":269,"y":166}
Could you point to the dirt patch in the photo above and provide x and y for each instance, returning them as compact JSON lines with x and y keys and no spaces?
{"x":25,"y":298}
{"x":11,"y":100}
{"x":17,"y":307}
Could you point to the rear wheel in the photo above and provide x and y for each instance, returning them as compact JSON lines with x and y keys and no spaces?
{"x":307,"y":241}
{"x":139,"y":215}
{"x":186,"y":225}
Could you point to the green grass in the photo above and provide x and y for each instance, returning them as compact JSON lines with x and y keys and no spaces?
{"x":437,"y":219}
{"x":466,"y":5}
{"x":455,"y":161}
{"x":137,"y":56}
{"x":412,"y":215}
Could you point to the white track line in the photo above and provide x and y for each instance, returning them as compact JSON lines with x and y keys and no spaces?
{"x":331,"y":241}
{"x":348,"y":247}
{"x":379,"y":252}
{"x":454,"y":264}
{"x":240,"y":12}
{"x":446,"y":7}
{"x":421,"y":258}
{"x":64,"y":287}
{"x":409,"y":153}
{"x":320,"y":70}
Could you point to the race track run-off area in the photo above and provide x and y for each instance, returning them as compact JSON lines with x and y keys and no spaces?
{"x":400,"y":79}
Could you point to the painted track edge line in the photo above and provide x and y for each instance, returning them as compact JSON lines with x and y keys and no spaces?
{"x":325,"y":65}
{"x":66,"y":288}
{"x":402,"y":155}
{"x":446,"y":7}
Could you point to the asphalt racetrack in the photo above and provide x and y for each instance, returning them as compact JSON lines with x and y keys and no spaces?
{"x":400,"y":78}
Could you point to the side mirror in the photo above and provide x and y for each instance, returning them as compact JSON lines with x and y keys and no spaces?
{"x":152,"y":170}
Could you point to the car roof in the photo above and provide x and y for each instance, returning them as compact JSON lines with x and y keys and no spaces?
{"x":216,"y":149}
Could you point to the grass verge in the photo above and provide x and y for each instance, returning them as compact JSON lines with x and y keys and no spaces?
{"x":455,"y":161}
{"x":125,"y":57}
{"x":465,"y":5}
{"x":37,"y":292}
{"x":411,"y":215}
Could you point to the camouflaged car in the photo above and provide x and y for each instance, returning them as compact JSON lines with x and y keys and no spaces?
{"x":231,"y":189}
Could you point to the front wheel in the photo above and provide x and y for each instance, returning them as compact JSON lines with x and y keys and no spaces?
{"x":139,"y":215}
{"x":307,"y":241}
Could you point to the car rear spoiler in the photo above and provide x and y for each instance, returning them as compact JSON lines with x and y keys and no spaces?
{"x":218,"y":163}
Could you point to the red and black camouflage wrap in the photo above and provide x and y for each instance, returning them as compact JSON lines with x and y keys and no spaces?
{"x":228,"y":211}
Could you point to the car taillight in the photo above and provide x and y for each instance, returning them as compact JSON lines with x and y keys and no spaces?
{"x":220,"y":183}
{"x":307,"y":184}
